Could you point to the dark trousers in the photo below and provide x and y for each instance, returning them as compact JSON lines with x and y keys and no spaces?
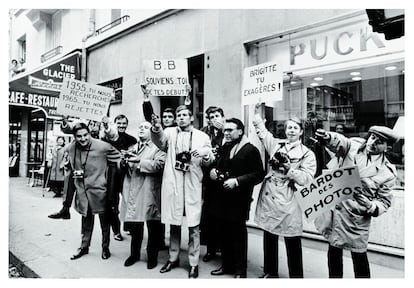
{"x":56,"y":186}
{"x":114,"y":220}
{"x":271,"y":255}
{"x":234,"y":247}
{"x":212,"y":232}
{"x":335,"y":263}
{"x":87,"y":228}
{"x":137,"y":234}
{"x":115,"y":179}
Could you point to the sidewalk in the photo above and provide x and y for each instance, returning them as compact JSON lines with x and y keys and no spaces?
{"x":45,"y":245}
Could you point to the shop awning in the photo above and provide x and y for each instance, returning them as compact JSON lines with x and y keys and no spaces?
{"x":40,"y":89}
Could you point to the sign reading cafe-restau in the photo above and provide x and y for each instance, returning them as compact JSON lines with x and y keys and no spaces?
{"x":262,"y":83}
{"x":84,"y":100}
{"x":166,"y":77}
{"x":325,"y":191}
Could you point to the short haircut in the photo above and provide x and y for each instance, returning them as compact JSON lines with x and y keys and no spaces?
{"x":208,"y":110}
{"x":14,"y":61}
{"x":79,"y":126}
{"x":238,"y":123}
{"x":183,"y":107}
{"x":295,"y":120}
{"x":121,"y":116}
{"x":214,"y":110}
{"x":169,"y":110}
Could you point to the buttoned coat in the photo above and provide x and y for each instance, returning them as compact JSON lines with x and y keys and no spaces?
{"x":347,"y":225}
{"x":58,"y":164}
{"x":141,"y":194}
{"x":277,"y":210}
{"x":93,"y":160}
{"x":181,"y":191}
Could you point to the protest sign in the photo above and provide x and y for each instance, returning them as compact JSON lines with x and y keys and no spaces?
{"x":325,"y":191}
{"x":262,"y":83}
{"x":166,"y":77}
{"x":84,"y":100}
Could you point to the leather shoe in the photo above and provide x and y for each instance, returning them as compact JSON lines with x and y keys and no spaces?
{"x":208,"y":256}
{"x":131,"y":261}
{"x":267,"y":275}
{"x":105,"y":253}
{"x":118,"y":237}
{"x":151,"y":264}
{"x":169,"y":265}
{"x":240,"y":276}
{"x":81,"y":251}
{"x":218,"y":272}
{"x":193,"y":273}
{"x":62,"y":214}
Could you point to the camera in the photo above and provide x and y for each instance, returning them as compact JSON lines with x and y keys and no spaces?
{"x":222,"y":176}
{"x":278,"y":159}
{"x":182,"y":161}
{"x":78,"y":174}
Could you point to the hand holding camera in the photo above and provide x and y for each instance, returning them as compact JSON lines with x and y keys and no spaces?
{"x":280,"y":162}
{"x":230,"y":184}
{"x":129,"y":156}
{"x":322,"y":136}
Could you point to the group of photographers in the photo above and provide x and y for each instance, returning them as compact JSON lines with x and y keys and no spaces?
{"x":177,"y":174}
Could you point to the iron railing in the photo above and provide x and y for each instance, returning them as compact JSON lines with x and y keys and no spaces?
{"x":112,"y":24}
{"x":51,"y":53}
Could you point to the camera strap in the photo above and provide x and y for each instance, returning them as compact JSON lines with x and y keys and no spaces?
{"x":83,"y":164}
{"x":176,"y":140}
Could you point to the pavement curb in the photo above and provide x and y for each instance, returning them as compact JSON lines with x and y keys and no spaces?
{"x":27,"y":272}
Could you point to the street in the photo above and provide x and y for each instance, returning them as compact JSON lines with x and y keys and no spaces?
{"x":45,"y":245}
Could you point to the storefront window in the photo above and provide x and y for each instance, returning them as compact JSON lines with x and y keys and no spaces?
{"x":346,"y":101}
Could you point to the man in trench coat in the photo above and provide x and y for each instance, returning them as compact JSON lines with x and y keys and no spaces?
{"x":187,"y":150}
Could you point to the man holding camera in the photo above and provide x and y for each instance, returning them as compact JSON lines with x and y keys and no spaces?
{"x":239,"y":169}
{"x":188,"y":149}
{"x":88,"y":162}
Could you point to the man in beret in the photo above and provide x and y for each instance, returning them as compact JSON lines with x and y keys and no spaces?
{"x":346,"y":226}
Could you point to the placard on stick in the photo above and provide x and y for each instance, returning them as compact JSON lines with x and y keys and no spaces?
{"x":166,"y":77}
{"x":262,"y":83}
{"x":325,"y":191}
{"x":84,"y":100}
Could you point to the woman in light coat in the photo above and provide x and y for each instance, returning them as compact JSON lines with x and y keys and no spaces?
{"x":346,"y":226}
{"x":141,"y":195}
{"x":277,"y":211}
{"x":56,"y":166}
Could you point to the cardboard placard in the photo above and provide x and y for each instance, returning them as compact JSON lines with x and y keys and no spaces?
{"x":325,"y":191}
{"x":84,"y":100}
{"x":262,"y":83}
{"x":166,"y":77}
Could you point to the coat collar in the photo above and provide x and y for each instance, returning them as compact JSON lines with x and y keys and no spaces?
{"x":238,"y":146}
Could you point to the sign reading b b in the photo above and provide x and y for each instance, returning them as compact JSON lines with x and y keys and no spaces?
{"x":166,"y":77}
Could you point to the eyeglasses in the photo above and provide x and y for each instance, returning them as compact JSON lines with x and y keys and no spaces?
{"x":229,"y":130}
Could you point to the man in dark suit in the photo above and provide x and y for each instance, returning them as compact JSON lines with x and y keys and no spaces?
{"x":239,"y":169}
{"x":209,"y":223}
